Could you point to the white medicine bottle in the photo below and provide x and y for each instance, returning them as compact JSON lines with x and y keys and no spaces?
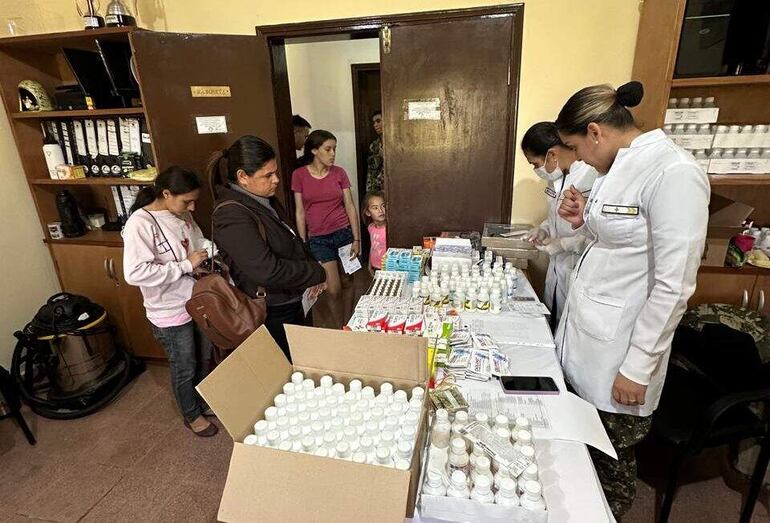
{"x":482,"y":303}
{"x":532,"y":499}
{"x":458,"y":457}
{"x":440,"y":434}
{"x":506,"y":493}
{"x":383,"y":457}
{"x":458,"y":487}
{"x":482,"y":468}
{"x":529,"y":474}
{"x":434,"y":484}
{"x":482,"y":490}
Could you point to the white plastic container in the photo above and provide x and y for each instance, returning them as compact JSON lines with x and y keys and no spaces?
{"x":441,"y":431}
{"x":529,"y":474}
{"x":383,"y":457}
{"x":482,"y":468}
{"x":458,"y":486}
{"x":506,"y":493}
{"x":482,"y":490}
{"x":532,"y":499}
{"x":458,"y":456}
{"x":434,"y":484}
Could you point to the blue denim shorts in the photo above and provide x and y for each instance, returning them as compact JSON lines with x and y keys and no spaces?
{"x":325,"y":247}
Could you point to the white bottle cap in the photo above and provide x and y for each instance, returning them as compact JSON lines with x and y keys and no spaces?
{"x":280,"y":400}
{"x":365,"y":443}
{"x":338,"y":424}
{"x":404,"y":450}
{"x":528,"y":451}
{"x":482,"y":483}
{"x":317,"y":427}
{"x":461,"y":416}
{"x":402,"y":464}
{"x":322,"y":452}
{"x":332,"y":401}
{"x":458,"y":479}
{"x":359,"y":457}
{"x":326,"y":381}
{"x":524,"y":437}
{"x":343,"y":449}
{"x":442,"y":415}
{"x":304,"y":418}
{"x":501,"y":420}
{"x":330,"y":440}
{"x":308,"y":385}
{"x":396,"y":408}
{"x":533,"y":488}
{"x":411,"y":418}
{"x":308,"y":443}
{"x":386,"y":389}
{"x":273,"y":437}
{"x":350,"y":433}
{"x":260,"y":428}
{"x":251,"y":439}
{"x":377,"y":413}
{"x":400,"y":396}
{"x":297,"y":378}
{"x":482,"y":418}
{"x":530,"y":472}
{"x":508,"y":487}
{"x":503,"y":433}
{"x":285,"y":445}
{"x":458,"y":446}
{"x":415,"y":404}
{"x":324,"y":413}
{"x":288,"y":389}
{"x":356,"y":418}
{"x":355,"y":385}
{"x":295,"y":433}
{"x":372,"y":428}
{"x":367,"y":392}
{"x":408,"y":433}
{"x":292,"y":409}
{"x":339,"y":389}
{"x":382,"y":454}
{"x":293,"y":421}
{"x":283,"y":423}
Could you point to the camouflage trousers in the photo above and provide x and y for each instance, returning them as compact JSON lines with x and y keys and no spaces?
{"x":618,"y":478}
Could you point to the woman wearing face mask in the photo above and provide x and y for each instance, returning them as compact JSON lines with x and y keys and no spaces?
{"x":559,"y":166}
{"x":276,"y":258}
{"x":646,"y":220}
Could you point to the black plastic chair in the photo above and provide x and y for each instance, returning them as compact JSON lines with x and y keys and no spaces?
{"x":700,"y":409}
{"x":10,"y":392}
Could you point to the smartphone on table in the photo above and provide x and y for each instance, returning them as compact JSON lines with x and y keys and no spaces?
{"x":528,"y":385}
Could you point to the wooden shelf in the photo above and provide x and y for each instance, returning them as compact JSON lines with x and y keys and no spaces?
{"x":711,"y":81}
{"x":96,"y":113}
{"x":746,"y":269}
{"x":96,"y":237}
{"x":54,"y":41}
{"x":739,"y":179}
{"x":90,"y":181}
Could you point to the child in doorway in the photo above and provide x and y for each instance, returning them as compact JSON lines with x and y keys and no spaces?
{"x":374,"y":210}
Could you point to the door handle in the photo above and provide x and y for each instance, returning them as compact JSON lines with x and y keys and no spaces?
{"x":112,"y":272}
{"x":761,"y":300}
{"x":745,"y":299}
{"x":107,"y":269}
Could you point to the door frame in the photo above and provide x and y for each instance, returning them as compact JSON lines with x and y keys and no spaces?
{"x":275,"y":35}
{"x":362,"y":122}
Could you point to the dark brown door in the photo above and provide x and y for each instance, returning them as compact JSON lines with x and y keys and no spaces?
{"x":170,"y":63}
{"x":367,"y":98}
{"x":453,"y":172}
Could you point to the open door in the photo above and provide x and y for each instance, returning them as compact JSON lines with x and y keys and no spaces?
{"x":449,"y":91}
{"x":172,"y":67}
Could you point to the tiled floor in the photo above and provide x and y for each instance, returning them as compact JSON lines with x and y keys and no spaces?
{"x":135,"y":461}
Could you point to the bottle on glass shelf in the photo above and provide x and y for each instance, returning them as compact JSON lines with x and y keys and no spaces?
{"x":434,"y":484}
{"x":458,"y":486}
{"x":506,"y":493}
{"x":482,"y":490}
{"x":532,"y":499}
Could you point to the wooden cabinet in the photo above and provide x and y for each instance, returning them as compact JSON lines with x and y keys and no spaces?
{"x":722,"y":288}
{"x":97,"y":272}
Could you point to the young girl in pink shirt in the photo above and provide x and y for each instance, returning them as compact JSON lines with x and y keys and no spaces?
{"x":374,"y":210}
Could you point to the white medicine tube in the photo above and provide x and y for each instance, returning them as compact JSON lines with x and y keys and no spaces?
{"x":506,"y":493}
{"x":434,"y":484}
{"x":251,"y":439}
{"x":529,"y":474}
{"x":532,"y":499}
{"x":458,"y":487}
{"x":482,"y":490}
{"x":383,"y":457}
{"x":297,"y":378}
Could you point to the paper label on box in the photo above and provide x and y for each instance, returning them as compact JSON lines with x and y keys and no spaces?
{"x":429,"y":109}
{"x":702,"y":115}
{"x":211,"y":124}
{"x":693,"y":141}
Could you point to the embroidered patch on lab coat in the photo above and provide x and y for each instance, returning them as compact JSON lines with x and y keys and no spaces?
{"x":624,"y":210}
{"x":550,"y":192}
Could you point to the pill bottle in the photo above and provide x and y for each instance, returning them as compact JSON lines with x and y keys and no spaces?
{"x":458,"y":487}
{"x":521,"y":423}
{"x":434,"y":484}
{"x":523,"y":438}
{"x":529,"y":474}
{"x":482,"y":490}
{"x":442,"y":429}
{"x":470,"y":299}
{"x":326,"y":382}
{"x":297,"y":378}
{"x":251,"y":439}
{"x":458,"y":456}
{"x":342,"y":451}
{"x":481,"y":417}
{"x":359,"y":457}
{"x":502,"y":422}
{"x":383,"y":457}
{"x":501,"y":474}
{"x":418,"y":392}
{"x":506,"y":493}
{"x":476,"y":453}
{"x":309,"y":445}
{"x":532,"y":499}
{"x":482,"y":468}
{"x":482,"y":304}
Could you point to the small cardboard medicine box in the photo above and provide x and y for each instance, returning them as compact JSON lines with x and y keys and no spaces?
{"x":266,"y":484}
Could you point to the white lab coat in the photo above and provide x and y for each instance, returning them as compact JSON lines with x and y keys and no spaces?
{"x":560,"y":265}
{"x":646,"y":219}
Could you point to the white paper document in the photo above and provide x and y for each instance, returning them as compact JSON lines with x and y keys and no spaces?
{"x":350,"y":266}
{"x":534,"y":308}
{"x":307,"y":301}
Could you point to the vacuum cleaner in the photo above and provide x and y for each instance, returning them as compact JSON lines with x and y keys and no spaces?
{"x":68,"y":362}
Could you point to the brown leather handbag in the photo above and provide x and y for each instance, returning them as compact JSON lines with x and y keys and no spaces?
{"x":226,"y":314}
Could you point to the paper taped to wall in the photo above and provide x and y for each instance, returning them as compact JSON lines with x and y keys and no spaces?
{"x":211,"y":124}
{"x":428,"y":109}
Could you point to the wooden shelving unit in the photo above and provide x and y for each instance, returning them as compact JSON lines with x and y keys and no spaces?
{"x":711,"y":81}
{"x":95,"y":237}
{"x":107,"y":181}
{"x":95,"y":113}
{"x":739,"y":180}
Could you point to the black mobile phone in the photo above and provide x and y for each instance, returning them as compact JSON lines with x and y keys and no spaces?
{"x":528,"y":385}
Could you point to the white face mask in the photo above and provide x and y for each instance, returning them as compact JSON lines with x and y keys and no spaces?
{"x":552,"y":176}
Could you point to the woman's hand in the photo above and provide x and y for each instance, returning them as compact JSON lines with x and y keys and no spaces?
{"x":355,"y":249}
{"x":315,"y":291}
{"x":572,"y":207}
{"x":628,"y":392}
{"x":537,"y":236}
{"x":198,"y":257}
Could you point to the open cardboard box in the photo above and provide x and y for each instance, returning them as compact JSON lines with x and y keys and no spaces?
{"x":266,"y":484}
{"x":726,"y":218}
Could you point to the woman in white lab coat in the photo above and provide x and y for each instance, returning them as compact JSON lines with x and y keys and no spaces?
{"x":646,"y":222}
{"x":559,"y":166}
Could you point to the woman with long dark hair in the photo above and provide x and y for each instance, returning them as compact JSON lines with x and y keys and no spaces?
{"x":278,"y":261}
{"x":325,"y":212}
{"x":162,"y":247}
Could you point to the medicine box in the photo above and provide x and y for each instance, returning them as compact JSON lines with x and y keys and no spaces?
{"x":700,"y":115}
{"x":267,"y":484}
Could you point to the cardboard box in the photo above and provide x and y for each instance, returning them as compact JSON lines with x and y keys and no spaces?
{"x":265,"y":484}
{"x":725,"y":221}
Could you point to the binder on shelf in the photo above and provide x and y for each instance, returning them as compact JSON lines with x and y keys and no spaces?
{"x":80,"y":145}
{"x":113,"y":147}
{"x":104,"y":148}
{"x":92,"y":145}
{"x":66,"y":143}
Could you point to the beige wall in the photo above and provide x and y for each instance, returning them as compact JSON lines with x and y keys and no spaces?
{"x":322,"y":90}
{"x":567,"y":44}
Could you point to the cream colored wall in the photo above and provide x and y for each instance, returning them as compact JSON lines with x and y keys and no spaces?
{"x":567,"y":44}
{"x":322,"y":91}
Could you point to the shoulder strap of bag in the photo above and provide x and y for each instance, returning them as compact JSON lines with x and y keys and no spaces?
{"x":162,"y":234}
{"x":261,"y":292}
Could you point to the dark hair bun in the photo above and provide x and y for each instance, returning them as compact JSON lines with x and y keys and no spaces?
{"x":630,"y":94}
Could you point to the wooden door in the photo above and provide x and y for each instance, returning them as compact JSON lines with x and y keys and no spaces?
{"x":138,"y":331}
{"x":451,"y":169}
{"x":169,"y":64}
{"x":722,"y":288}
{"x":760,"y":301}
{"x":367,"y":98}
{"x":85,"y":270}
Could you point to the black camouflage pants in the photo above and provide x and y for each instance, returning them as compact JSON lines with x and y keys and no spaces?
{"x":618,"y":478}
